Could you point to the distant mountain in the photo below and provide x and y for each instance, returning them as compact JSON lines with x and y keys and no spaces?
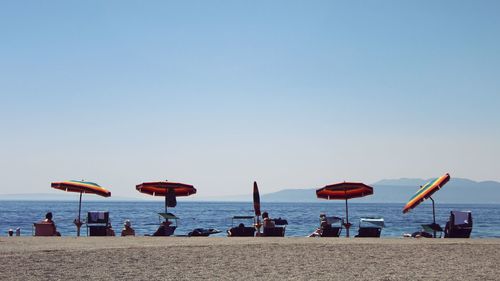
{"x":457,"y":190}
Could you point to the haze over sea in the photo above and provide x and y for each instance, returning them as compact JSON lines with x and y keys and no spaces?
{"x":302,"y":217}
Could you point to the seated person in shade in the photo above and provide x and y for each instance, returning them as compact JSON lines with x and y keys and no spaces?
{"x":267,"y":222}
{"x":127,"y":229}
{"x":164,"y":229}
{"x":323,"y":225}
{"x":48,"y":220}
{"x":109,"y":230}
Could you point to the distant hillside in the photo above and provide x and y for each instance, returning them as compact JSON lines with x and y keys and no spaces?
{"x":458,"y":190}
{"x":461,"y":191}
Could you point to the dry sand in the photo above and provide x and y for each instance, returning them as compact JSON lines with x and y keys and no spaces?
{"x":177,"y":258}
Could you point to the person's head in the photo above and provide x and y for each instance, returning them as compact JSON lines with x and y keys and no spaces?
{"x":48,"y":216}
{"x":127,"y":224}
{"x":265,"y":215}
{"x":167,"y":223}
{"x":241,"y":225}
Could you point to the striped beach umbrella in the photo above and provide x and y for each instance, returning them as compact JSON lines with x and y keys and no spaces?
{"x":170,"y":190}
{"x":344,"y":191}
{"x":81,"y":187}
{"x":425,"y":192}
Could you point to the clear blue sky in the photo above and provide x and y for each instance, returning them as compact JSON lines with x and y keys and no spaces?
{"x":293,"y":94}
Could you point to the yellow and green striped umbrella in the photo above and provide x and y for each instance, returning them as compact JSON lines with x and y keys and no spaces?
{"x":426,"y":192}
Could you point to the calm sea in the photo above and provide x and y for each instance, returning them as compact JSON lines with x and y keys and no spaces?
{"x":303,"y":218}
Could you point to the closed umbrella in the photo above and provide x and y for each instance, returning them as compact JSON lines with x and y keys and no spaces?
{"x":81,"y":187}
{"x":344,"y":191}
{"x":425,"y":192}
{"x":256,"y":205}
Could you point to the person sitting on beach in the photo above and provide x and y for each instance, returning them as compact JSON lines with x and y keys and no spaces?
{"x":164,"y":229}
{"x":322,"y":226}
{"x":127,"y":229}
{"x":109,"y":230}
{"x":267,"y":222}
{"x":48,"y":220}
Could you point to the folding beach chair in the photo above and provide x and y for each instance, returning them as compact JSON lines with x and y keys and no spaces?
{"x":370,"y":227}
{"x":43,"y":229}
{"x":278,"y":230}
{"x":459,"y":225}
{"x":241,"y":230}
{"x":97,"y":222}
{"x":333,"y":227}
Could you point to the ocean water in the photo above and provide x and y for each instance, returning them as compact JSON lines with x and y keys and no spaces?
{"x":303,"y":218}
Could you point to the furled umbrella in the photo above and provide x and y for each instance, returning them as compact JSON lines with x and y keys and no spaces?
{"x":425,"y":192}
{"x":170,"y":190}
{"x":256,"y":205}
{"x":344,"y":191}
{"x":81,"y":187}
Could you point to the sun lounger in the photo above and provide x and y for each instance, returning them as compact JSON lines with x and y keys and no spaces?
{"x":43,"y":229}
{"x":245,"y":231}
{"x":278,"y":230}
{"x":332,"y":228}
{"x":241,"y":230}
{"x":430,"y":229}
{"x":96,"y":230}
{"x":97,"y":222}
{"x":459,"y":225}
{"x":370,"y":227}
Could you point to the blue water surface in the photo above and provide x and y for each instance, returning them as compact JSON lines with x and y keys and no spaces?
{"x":303,"y":218}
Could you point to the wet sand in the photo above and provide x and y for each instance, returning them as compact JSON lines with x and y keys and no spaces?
{"x":195,"y":258}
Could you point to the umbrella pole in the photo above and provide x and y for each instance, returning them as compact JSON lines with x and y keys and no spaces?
{"x":347,"y":218}
{"x":78,"y":225}
{"x":433,"y":215}
{"x":166,"y":203}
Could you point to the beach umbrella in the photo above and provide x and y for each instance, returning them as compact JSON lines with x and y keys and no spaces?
{"x":81,"y":187}
{"x":425,"y":192}
{"x":256,"y":204}
{"x":344,"y":191}
{"x":170,"y":190}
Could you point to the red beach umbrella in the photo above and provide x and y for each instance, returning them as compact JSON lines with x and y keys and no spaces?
{"x":256,"y":205}
{"x":344,"y":191}
{"x":81,"y":187}
{"x":256,"y":199}
{"x":168,"y":189}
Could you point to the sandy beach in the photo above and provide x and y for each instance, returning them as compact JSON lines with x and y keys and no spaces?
{"x":177,"y":258}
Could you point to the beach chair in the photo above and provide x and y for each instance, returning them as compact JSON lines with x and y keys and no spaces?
{"x":241,"y":230}
{"x":278,"y":230}
{"x":43,"y":229}
{"x":169,"y":230}
{"x":459,"y":225}
{"x":333,"y":227}
{"x":370,"y":227}
{"x":431,"y":230}
{"x":97,"y":222}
